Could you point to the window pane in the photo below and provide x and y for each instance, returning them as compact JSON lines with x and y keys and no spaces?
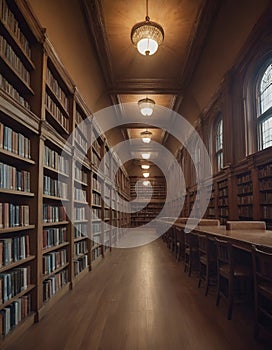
{"x":266,"y":90}
{"x":219,"y":136}
{"x":219,"y":160}
{"x":266,"y":130}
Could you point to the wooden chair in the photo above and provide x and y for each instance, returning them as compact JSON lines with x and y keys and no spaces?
{"x":191,"y":255}
{"x":245,"y":225}
{"x":180,"y":244}
{"x":207,"y":262}
{"x":262,"y":273}
{"x":233,"y":280}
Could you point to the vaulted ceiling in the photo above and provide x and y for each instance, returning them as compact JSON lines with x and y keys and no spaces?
{"x":130,"y":76}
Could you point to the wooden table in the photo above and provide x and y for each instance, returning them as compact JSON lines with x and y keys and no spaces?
{"x":242,"y":239}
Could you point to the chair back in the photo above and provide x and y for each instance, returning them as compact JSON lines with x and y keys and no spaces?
{"x":224,"y":252}
{"x":262,"y":264}
{"x":203,"y":244}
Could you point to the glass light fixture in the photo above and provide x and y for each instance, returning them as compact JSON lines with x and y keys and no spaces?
{"x":146,"y":136}
{"x":145,"y":166}
{"x":145,"y":174}
{"x":147,"y":35}
{"x":145,"y":155}
{"x":146,"y":106}
{"x":146,"y":183}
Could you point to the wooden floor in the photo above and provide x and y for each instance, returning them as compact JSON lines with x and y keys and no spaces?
{"x":140,"y":298}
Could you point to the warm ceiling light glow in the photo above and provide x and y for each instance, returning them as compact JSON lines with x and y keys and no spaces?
{"x":146,"y":136}
{"x":147,"y":35}
{"x":146,"y":106}
{"x":145,"y":174}
{"x":146,"y":183}
{"x":145,"y":155}
{"x":145,"y":166}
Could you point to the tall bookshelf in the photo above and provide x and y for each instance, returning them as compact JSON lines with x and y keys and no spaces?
{"x":48,"y":171}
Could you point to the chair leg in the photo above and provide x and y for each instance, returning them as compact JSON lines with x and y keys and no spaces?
{"x":199,"y":282}
{"x":230,"y":297}
{"x":218,"y":292}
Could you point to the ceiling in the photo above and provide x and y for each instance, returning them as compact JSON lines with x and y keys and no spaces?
{"x":163,"y":76}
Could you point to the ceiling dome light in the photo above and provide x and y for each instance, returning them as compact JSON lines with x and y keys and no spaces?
{"x":147,"y":35}
{"x":146,"y":183}
{"x":145,"y":175}
{"x":146,"y":106}
{"x":145,"y":155}
{"x":146,"y":136}
{"x":145,"y":166}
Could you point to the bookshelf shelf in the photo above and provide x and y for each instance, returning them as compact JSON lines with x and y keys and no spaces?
{"x":17,"y":296}
{"x":17,"y":263}
{"x":16,"y":157}
{"x":57,"y":223}
{"x":16,"y":229}
{"x":16,"y":193}
{"x":47,"y":276}
{"x":54,"y":198}
{"x":55,"y":247}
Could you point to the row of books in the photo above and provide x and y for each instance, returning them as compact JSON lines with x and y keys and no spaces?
{"x":55,"y":87}
{"x":97,"y":147}
{"x":81,"y":175}
{"x":96,"y":227}
{"x":53,"y":213}
{"x":246,"y":212}
{"x":245,"y":199}
{"x":267,"y":211}
{"x":14,"y":249}
{"x":10,"y":89}
{"x":80,"y":195}
{"x":96,"y":253}
{"x":80,"y":140}
{"x":96,"y":199}
{"x":54,"y":187}
{"x":12,"y":215}
{"x":14,"y":313}
{"x":266,"y":198}
{"x":54,"y":160}
{"x":53,"y":284}
{"x":97,"y":213}
{"x":13,"y":283}
{"x":14,"y":179}
{"x":265,"y":170}
{"x":96,"y":184}
{"x":11,"y":57}
{"x":11,"y":22}
{"x":243,"y":179}
{"x":54,"y":260}
{"x":245,"y":188}
{"x":80,"y":264}
{"x":56,"y":112}
{"x":80,"y":230}
{"x":80,"y":248}
{"x":14,"y":142}
{"x":80,"y":213}
{"x":96,"y":160}
{"x":54,"y":236}
{"x":266,"y":184}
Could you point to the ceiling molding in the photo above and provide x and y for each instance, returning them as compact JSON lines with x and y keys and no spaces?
{"x":198,"y":39}
{"x":93,"y":14}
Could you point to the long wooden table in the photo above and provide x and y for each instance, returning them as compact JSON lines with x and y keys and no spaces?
{"x":242,"y":239}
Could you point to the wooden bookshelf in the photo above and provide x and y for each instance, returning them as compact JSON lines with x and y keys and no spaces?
{"x":50,"y":155}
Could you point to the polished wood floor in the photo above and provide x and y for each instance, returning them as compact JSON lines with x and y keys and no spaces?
{"x":140,"y":298}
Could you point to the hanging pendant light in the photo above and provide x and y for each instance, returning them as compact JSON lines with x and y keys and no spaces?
{"x":145,"y":166}
{"x":146,"y":183}
{"x":145,"y":155}
{"x":145,"y":174}
{"x":146,"y":106}
{"x":146,"y":136}
{"x":147,"y":35}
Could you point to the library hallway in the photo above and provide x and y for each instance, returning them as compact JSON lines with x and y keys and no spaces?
{"x":139,"y":298}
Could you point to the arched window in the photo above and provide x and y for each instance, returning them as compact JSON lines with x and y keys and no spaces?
{"x":264,"y":112}
{"x":219,"y":144}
